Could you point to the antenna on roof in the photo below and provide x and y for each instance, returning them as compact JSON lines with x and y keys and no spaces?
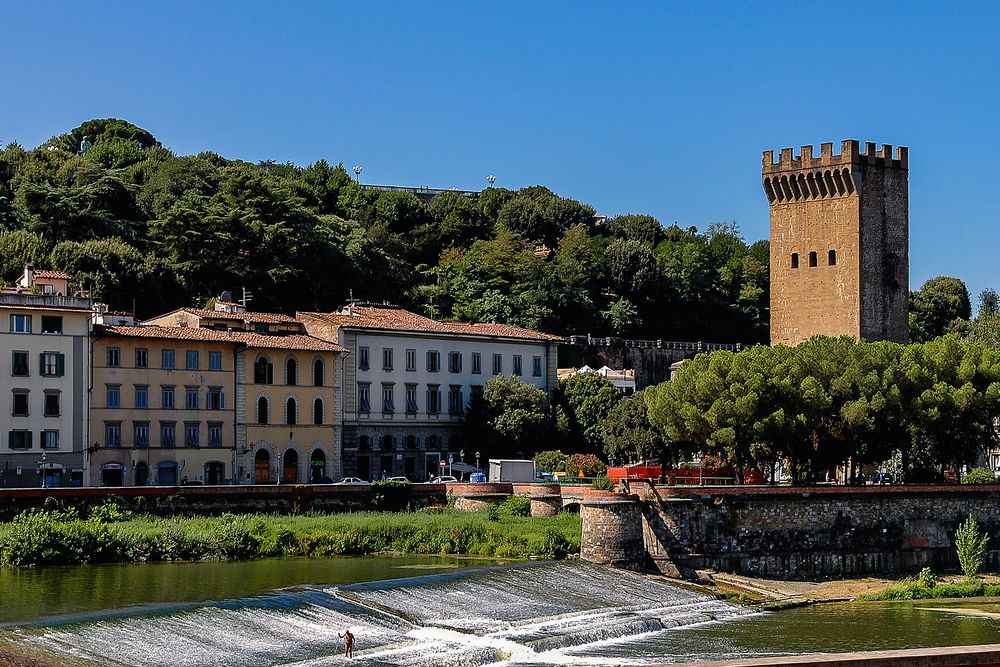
{"x":247,"y":296}
{"x":350,"y":302}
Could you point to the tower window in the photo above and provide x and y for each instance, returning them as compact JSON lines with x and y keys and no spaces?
{"x":831,"y":258}
{"x":795,"y":260}
{"x":812,"y":258}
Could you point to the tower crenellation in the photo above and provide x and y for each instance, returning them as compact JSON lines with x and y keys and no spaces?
{"x":839,"y":241}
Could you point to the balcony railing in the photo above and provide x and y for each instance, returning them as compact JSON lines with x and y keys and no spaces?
{"x":45,"y":301}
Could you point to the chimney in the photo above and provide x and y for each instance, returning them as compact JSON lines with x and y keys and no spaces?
{"x":29,"y":275}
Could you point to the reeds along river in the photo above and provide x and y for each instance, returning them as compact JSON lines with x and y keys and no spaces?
{"x":528,"y":614}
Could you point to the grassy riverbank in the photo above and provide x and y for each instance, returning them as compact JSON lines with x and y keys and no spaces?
{"x":917,"y":590}
{"x":55,"y":538}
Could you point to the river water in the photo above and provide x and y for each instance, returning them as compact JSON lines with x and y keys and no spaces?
{"x":429,"y":612}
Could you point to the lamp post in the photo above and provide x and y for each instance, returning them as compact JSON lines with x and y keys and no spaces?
{"x":491,"y":179}
{"x":357,"y":173}
{"x":477,"y":460}
{"x":41,"y":469}
{"x":461,"y":456}
{"x":451,"y":460}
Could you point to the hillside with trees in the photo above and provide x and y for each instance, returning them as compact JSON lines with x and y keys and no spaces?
{"x":135,"y":223}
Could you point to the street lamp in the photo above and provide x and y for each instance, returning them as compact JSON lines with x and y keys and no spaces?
{"x":357,"y":173}
{"x":451,"y":459}
{"x":41,"y":469}
{"x":477,"y":459}
{"x":491,"y":179}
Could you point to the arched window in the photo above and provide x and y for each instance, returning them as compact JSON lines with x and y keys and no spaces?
{"x":831,"y":258}
{"x":263,"y":371}
{"x":318,"y":411}
{"x":262,"y":416}
{"x":291,"y":372}
{"x":291,"y":411}
{"x":318,"y":373}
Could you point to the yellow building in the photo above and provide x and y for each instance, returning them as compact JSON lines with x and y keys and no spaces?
{"x":288,"y":426}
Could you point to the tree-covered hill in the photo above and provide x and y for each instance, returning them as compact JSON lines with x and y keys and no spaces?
{"x":135,"y":223}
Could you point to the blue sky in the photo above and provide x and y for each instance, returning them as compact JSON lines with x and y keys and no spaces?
{"x":632,"y":107}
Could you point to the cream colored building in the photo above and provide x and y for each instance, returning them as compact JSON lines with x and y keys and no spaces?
{"x":44,"y":356}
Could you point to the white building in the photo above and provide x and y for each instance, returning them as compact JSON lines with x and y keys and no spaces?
{"x":408,"y":380}
{"x":46,"y":360}
{"x":623,"y":380}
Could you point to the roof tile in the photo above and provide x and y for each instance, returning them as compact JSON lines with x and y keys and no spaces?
{"x":250,"y":339}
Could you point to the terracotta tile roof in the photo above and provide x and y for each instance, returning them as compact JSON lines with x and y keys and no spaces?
{"x":292,"y":342}
{"x":248,"y":316}
{"x":397,"y":319}
{"x":49,"y":273}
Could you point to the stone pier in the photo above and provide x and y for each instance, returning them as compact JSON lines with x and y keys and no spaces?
{"x":612,"y":530}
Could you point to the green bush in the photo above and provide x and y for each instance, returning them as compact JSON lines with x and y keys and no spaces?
{"x":927,"y":578}
{"x":970,"y":543}
{"x":602,"y":483}
{"x":516,"y":506}
{"x":980,"y":476}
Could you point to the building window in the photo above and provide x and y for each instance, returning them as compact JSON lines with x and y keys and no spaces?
{"x":50,"y":439}
{"x":291,"y":372}
{"x":168,"y":434}
{"x":141,"y":357}
{"x":433,"y":399}
{"x":114,"y":357}
{"x":262,"y":411}
{"x":411,"y":399}
{"x":167,"y":398}
{"x":168,"y":360}
{"x":517,"y":365}
{"x":388,"y":403}
{"x":191,"y":430}
{"x":261,"y":327}
{"x":831,"y":258}
{"x":20,"y":323}
{"x":215,"y":361}
{"x":318,"y":412}
{"x":536,"y":366}
{"x":191,"y":398}
{"x":214,"y":434}
{"x":454,"y":362}
{"x":192,"y":360}
{"x":19,"y":439}
{"x":51,"y":407}
{"x":364,"y":397}
{"x":291,"y":411}
{"x":362,"y":358}
{"x":411,"y":360}
{"x":140,"y":434}
{"x":114,"y":395}
{"x":477,"y":363}
{"x":475,"y":392}
{"x":112,"y":434}
{"x":216,"y":399}
{"x":812,"y":258}
{"x":455,"y":404}
{"x":795,"y":260}
{"x":387,"y":358}
{"x":263,"y":371}
{"x":433,"y":361}
{"x":20,"y":403}
{"x":52,"y":324}
{"x":318,"y":373}
{"x":53,"y":364}
{"x":497,"y":364}
{"x":141,"y":396}
{"x":19,"y":364}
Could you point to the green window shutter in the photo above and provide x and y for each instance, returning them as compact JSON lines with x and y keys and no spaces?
{"x":10,"y":440}
{"x":27,"y":441}
{"x":60,"y":364}
{"x":41,"y":363}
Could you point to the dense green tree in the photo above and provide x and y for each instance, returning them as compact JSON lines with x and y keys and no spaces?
{"x":550,"y":460}
{"x":585,"y":400}
{"x":631,"y":268}
{"x":940,"y":306}
{"x":510,"y":418}
{"x":627,"y":433}
{"x":633,"y":227}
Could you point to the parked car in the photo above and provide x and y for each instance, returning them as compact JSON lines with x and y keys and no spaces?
{"x":351,"y":481}
{"x":882,"y":478}
{"x":401,"y":480}
{"x":444,"y":479}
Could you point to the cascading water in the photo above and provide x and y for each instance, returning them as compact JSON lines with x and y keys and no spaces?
{"x":534,"y":614}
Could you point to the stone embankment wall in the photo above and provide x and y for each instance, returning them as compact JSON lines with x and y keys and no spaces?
{"x":815,"y":532}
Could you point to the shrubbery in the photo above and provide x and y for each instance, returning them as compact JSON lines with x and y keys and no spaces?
{"x":42,"y":537}
{"x":980,"y":476}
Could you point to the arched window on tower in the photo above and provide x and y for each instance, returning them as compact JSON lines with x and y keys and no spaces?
{"x":291,"y":372}
{"x":262,"y":410}
{"x":831,"y":258}
{"x":318,"y":373}
{"x":291,"y":411}
{"x":263,"y":371}
{"x":318,"y":411}
{"x":795,"y":260}
{"x":812,"y":258}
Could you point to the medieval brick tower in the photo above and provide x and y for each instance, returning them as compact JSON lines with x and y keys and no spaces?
{"x":839,"y":249}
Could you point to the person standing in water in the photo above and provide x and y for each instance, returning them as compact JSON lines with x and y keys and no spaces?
{"x":348,"y":643}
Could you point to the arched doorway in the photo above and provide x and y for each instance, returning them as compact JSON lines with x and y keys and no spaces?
{"x":261,"y":467}
{"x":290,"y":469}
{"x":317,"y":467}
{"x":166,"y":474}
{"x":215,"y":472}
{"x":141,"y":474}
